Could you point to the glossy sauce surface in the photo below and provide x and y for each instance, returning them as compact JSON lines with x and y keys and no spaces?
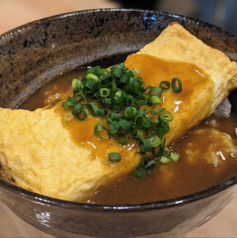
{"x":170,"y":180}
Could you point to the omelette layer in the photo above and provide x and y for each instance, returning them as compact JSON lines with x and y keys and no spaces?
{"x":38,"y":153}
{"x":41,"y":153}
{"x":219,"y":76}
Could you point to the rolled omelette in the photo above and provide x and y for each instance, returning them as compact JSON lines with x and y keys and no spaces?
{"x":42,"y":153}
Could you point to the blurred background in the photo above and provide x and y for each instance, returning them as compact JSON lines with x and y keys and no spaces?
{"x":222,"y":13}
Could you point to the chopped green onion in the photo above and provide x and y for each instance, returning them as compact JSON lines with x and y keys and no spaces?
{"x":174,"y":156}
{"x":155,"y":99}
{"x":141,"y":100}
{"x":150,"y":164}
{"x":102,"y":112}
{"x":147,"y":162}
{"x":71,"y":102}
{"x":67,"y":105}
{"x":145,"y":145}
{"x":136,"y":71}
{"x":113,"y":87}
{"x":116,"y":71}
{"x":164,"y":160}
{"x":113,"y":126}
{"x":125,"y":125}
{"x":142,"y":122}
{"x":114,"y":157}
{"x":106,"y":82}
{"x":129,"y":100}
{"x":114,"y":116}
{"x":166,"y":116}
{"x":163,"y":127}
{"x":79,"y":112}
{"x":91,"y":85}
{"x":93,"y":77}
{"x":138,"y":173}
{"x":167,"y":150}
{"x":164,"y":85}
{"x":155,"y":141}
{"x":124,"y":78}
{"x":107,"y":102}
{"x":158,"y":111}
{"x":76,"y":83}
{"x":155,"y":91}
{"x":104,"y":92}
{"x":99,"y":127}
{"x":123,"y":139}
{"x":176,"y":85}
{"x":130,"y":112}
{"x":137,"y":133}
{"x":68,"y":116}
{"x":118,"y":96}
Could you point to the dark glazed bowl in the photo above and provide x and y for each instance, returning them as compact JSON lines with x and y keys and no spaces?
{"x":37,"y":52}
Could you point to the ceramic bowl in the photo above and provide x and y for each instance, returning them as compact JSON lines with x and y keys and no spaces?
{"x":37,"y":52}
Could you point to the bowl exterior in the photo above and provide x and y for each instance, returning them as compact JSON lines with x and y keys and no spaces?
{"x":37,"y":52}
{"x":152,"y":220}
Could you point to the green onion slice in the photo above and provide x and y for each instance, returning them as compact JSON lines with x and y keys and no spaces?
{"x":68,"y":104}
{"x":136,"y":71}
{"x":106,"y":81}
{"x":118,"y":96}
{"x":129,"y":100}
{"x":79,"y":112}
{"x":141,"y":100}
{"x":68,"y":116}
{"x":114,"y":116}
{"x":92,"y":108}
{"x":162,"y":128}
{"x":113,"y":126}
{"x":102,"y":112}
{"x":154,"y":100}
{"x":166,"y":116}
{"x":123,"y":139}
{"x":138,"y":173}
{"x":176,"y":85}
{"x":107,"y":102}
{"x":125,"y":125}
{"x":145,"y":145}
{"x":98,"y":128}
{"x":76,"y":83}
{"x":155,"y":91}
{"x":130,"y":112}
{"x":93,"y":77}
{"x":155,"y":141}
{"x":116,"y":71}
{"x":147,"y":162}
{"x":174,"y":156}
{"x":138,"y":133}
{"x":150,"y":164}
{"x":164,"y":85}
{"x":164,"y":160}
{"x":104,"y":92}
{"x":114,"y":157}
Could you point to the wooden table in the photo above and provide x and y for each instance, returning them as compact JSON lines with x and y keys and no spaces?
{"x":17,"y":12}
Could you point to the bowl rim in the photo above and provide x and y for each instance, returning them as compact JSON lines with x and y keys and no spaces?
{"x":115,"y":207}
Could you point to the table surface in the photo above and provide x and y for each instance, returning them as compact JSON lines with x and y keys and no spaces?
{"x":17,"y":12}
